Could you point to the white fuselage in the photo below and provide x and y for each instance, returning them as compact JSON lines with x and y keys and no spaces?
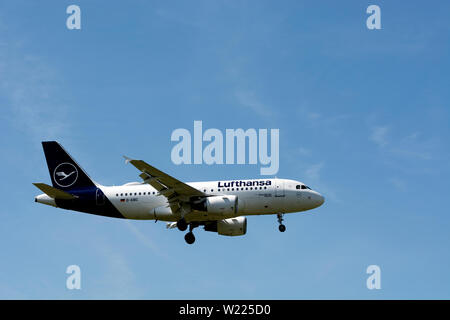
{"x":258,"y":196}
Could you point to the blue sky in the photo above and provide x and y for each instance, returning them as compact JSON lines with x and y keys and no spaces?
{"x":363,"y":118}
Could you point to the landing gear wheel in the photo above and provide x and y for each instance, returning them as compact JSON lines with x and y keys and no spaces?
{"x":189,"y":237}
{"x":182,"y":225}
{"x":281,"y":227}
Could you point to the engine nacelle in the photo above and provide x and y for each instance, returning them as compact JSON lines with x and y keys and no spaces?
{"x":222,"y":204}
{"x":232,"y":227}
{"x":162,"y":213}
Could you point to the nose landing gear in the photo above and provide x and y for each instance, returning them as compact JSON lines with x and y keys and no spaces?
{"x":281,"y":227}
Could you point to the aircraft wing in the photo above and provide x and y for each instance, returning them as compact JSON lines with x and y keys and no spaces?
{"x":173,"y":189}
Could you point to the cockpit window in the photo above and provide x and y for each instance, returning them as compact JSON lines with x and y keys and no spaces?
{"x":297,"y":186}
{"x":305,"y":187}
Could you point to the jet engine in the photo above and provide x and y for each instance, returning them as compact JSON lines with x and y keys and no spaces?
{"x":221,"y":204}
{"x":229,"y":227}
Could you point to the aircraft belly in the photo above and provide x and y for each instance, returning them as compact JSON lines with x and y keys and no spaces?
{"x":138,"y":210}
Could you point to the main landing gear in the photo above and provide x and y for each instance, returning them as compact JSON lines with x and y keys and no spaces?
{"x":189,"y":237}
{"x":281,"y":227}
{"x":183,"y":225}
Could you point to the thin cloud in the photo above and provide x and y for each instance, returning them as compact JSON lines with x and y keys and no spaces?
{"x":311,"y":117}
{"x":145,"y":240}
{"x":314,"y":115}
{"x":399,"y":184}
{"x":313,"y":177}
{"x":249,"y":100}
{"x":118,"y":280}
{"x":303,"y":152}
{"x":379,"y":136}
{"x":31,"y":90}
{"x":407,"y":147}
{"x":312,"y":173}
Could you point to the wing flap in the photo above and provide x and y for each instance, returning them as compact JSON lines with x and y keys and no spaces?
{"x":176,"y":192}
{"x":164,"y":183}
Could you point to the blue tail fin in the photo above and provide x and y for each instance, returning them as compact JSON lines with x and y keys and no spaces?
{"x":65,"y":173}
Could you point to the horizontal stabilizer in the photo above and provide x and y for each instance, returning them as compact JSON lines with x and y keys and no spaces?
{"x":53,"y":192}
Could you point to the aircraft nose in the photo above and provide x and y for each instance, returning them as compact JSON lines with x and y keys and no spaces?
{"x":318,"y":199}
{"x":321,"y":199}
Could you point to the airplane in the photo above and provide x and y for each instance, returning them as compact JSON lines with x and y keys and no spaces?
{"x":218,"y":206}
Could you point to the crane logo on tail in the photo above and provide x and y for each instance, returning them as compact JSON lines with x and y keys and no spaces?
{"x":65,"y":174}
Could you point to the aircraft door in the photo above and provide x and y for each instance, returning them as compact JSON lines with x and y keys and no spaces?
{"x":99,"y":197}
{"x":279,"y":188}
